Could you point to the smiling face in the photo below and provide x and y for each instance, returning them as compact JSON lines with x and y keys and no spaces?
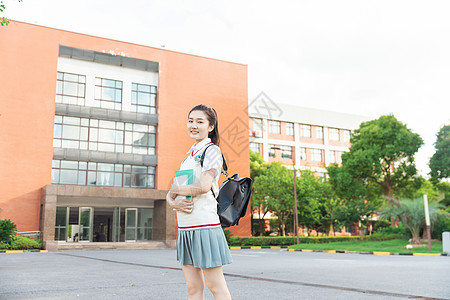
{"x":198,"y":126}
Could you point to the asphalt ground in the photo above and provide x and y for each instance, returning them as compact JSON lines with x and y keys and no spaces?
{"x":254,"y":274}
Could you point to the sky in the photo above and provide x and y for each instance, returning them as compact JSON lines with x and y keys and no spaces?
{"x":363,"y":57}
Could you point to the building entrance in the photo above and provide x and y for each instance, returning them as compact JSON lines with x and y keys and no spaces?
{"x":103,"y":224}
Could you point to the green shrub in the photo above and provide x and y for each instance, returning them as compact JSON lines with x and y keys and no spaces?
{"x":227,"y":234}
{"x":292,"y":240}
{"x":7,"y":231}
{"x":381,"y":236}
{"x":4,"y":246}
{"x":441,"y":225}
{"x":24,"y":243}
{"x":286,"y":241}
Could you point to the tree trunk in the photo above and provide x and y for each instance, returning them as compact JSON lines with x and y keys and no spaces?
{"x":360,"y":231}
{"x":261,"y":227}
{"x":331,"y":230}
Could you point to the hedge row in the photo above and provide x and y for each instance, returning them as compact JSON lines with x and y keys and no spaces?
{"x":21,"y":243}
{"x":292,"y":240}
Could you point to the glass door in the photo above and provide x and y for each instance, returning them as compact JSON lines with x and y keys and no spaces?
{"x":116,"y":225}
{"x":130,"y":222}
{"x":85,"y":224}
{"x":61,"y":223}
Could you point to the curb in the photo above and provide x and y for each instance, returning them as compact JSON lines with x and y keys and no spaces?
{"x":21,"y":251}
{"x":257,"y":247}
{"x":340,"y":251}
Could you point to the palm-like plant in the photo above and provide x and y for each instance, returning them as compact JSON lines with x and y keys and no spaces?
{"x":412,"y":215}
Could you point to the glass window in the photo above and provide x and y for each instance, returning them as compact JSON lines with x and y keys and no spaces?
{"x":319,"y":132}
{"x":302,"y":153}
{"x":334,"y":134}
{"x":70,"y":88}
{"x":305,"y":130}
{"x":143,"y":98}
{"x":102,"y":174}
{"x":102,"y":135}
{"x":274,"y":127}
{"x":254,"y":147}
{"x":331,"y":156}
{"x":108,"y":93}
{"x":289,"y":128}
{"x":271,"y":150}
{"x":258,"y":124}
{"x":286,"y":151}
{"x":347,"y":135}
{"x":316,"y":154}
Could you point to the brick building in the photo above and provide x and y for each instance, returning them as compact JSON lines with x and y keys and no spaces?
{"x":307,"y":138}
{"x":93,"y":129}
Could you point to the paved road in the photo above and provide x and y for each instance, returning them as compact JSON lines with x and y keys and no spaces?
{"x":255,"y":274}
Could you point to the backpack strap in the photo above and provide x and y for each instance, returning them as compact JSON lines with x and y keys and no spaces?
{"x":224,"y":166}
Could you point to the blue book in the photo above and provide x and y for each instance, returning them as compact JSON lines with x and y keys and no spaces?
{"x":184,"y":177}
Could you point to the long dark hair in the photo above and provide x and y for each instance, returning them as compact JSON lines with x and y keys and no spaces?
{"x":212,"y":119}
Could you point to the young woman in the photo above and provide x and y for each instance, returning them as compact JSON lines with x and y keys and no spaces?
{"x":202,"y":249}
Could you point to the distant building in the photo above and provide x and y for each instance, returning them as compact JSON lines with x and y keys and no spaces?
{"x":307,"y":138}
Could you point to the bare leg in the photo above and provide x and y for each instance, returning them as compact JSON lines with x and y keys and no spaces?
{"x":215,"y":281}
{"x":194,"y":282}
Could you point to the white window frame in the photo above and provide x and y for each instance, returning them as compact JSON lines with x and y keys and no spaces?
{"x":275,"y":127}
{"x":289,"y":128}
{"x":319,"y":129}
{"x":316,"y":154}
{"x":334,"y":134}
{"x":305,"y":130}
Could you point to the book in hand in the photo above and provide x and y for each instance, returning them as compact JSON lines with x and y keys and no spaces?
{"x":183,"y":177}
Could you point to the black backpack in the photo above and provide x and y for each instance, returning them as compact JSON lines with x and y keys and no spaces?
{"x":234,"y":196}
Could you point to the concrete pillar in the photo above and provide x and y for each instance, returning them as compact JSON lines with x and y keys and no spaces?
{"x":48,"y":234}
{"x":446,"y":242}
{"x":164,"y":223}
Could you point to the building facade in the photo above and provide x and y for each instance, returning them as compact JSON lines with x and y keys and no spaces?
{"x":93,"y":130}
{"x":300,"y":137}
{"x":307,"y":138}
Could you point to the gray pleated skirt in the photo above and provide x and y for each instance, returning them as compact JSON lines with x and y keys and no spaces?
{"x":203,"y":248}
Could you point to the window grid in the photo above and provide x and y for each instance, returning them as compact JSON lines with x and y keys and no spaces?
{"x":143,"y":98}
{"x":102,"y":174}
{"x":271,"y":150}
{"x":347,"y":135}
{"x":305,"y":130}
{"x":257,"y":124}
{"x":289,"y":128}
{"x":319,"y":132}
{"x":331,"y":156}
{"x":302,"y":153}
{"x":70,"y":88}
{"x":254,"y":147}
{"x":275,"y":127}
{"x":334,"y":134}
{"x":101,"y":135}
{"x":108,"y":93}
{"x":316,"y":154}
{"x":286,"y":152}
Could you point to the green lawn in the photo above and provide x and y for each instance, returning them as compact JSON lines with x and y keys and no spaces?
{"x":395,"y":246}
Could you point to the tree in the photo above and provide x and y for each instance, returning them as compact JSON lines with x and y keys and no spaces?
{"x":311,"y":200}
{"x":259,"y":201}
{"x":382,"y":153}
{"x":440,"y":161}
{"x":412,"y":215}
{"x":4,"y":21}
{"x":273,"y":188}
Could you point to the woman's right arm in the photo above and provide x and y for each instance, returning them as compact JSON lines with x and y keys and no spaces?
{"x":182,"y":204}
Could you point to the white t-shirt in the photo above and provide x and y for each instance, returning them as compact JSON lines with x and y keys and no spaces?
{"x":204,"y":213}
